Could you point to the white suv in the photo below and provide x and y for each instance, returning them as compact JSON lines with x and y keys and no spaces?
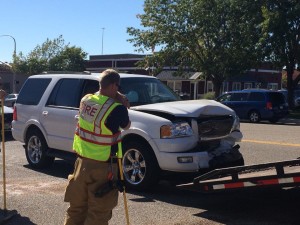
{"x":166,"y":133}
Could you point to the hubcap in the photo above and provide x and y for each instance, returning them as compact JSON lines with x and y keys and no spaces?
{"x":134,"y":166}
{"x":254,"y":117}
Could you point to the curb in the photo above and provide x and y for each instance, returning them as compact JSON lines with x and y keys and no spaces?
{"x":290,"y":121}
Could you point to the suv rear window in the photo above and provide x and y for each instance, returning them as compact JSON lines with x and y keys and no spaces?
{"x":66,"y":93}
{"x":32,"y":91}
{"x":277,"y":98}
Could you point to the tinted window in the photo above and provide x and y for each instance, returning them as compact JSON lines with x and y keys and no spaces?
{"x":90,"y":87}
{"x":239,"y":97}
{"x":10,"y":96}
{"x":66,"y":93}
{"x":297,"y":93}
{"x":32,"y":91}
{"x":224,"y":98}
{"x":257,"y":96}
{"x":276,"y":98}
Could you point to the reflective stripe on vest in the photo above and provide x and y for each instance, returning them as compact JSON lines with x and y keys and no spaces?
{"x":105,"y":108}
{"x":92,"y":138}
{"x":100,"y":139}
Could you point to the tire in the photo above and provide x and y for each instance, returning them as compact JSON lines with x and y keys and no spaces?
{"x":254,"y":116}
{"x":36,"y":150}
{"x":274,"y":120}
{"x":140,"y":167}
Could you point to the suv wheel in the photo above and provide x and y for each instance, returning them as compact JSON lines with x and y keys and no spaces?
{"x":36,"y":150}
{"x":140,"y":166}
{"x":254,"y":116}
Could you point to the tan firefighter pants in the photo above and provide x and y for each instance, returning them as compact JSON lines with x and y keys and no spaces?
{"x":85,"y":208}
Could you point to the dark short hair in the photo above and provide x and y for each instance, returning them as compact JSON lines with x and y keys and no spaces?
{"x":108,"y":77}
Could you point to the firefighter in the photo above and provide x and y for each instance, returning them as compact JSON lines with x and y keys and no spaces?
{"x":97,"y":142}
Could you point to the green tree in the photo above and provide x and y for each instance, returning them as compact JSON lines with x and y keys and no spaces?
{"x":281,"y":29}
{"x":70,"y":59}
{"x":52,"y":55}
{"x":216,"y":37}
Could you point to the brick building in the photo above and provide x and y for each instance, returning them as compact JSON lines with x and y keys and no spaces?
{"x":190,"y":84}
{"x":125,"y":63}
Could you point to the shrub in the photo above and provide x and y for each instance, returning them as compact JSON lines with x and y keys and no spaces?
{"x":209,"y":95}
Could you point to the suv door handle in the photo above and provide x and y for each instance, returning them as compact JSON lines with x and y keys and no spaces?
{"x":45,"y":113}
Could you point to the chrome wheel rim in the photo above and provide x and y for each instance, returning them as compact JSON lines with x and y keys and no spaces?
{"x":34,"y":149}
{"x":134,"y":166}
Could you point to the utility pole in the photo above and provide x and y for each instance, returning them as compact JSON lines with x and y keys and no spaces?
{"x":103,"y":28}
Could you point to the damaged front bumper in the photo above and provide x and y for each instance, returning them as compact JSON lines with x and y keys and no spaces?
{"x":226,"y":154}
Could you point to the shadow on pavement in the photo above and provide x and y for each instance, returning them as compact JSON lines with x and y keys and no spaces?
{"x":259,"y":206}
{"x":60,"y":168}
{"x":8,"y":136}
{"x":11,"y":217}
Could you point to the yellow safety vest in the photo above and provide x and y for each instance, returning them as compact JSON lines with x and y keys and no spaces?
{"x":91,"y":140}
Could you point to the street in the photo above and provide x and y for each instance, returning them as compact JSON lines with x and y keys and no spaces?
{"x":37,"y":196}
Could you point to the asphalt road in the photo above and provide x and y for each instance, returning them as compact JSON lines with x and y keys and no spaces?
{"x":37,"y":196}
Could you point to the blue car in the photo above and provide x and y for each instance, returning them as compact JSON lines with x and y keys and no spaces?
{"x":256,"y":104}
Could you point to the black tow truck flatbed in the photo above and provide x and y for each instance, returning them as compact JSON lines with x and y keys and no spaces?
{"x":273,"y":174}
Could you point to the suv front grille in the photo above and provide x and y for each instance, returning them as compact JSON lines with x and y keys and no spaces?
{"x":215,"y":127}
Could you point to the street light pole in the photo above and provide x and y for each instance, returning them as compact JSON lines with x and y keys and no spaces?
{"x":14,"y":59}
{"x":103,"y":28}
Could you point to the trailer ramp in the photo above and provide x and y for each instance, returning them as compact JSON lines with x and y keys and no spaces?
{"x":273,"y":174}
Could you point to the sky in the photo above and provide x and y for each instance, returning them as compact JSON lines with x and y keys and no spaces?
{"x":80,"y":22}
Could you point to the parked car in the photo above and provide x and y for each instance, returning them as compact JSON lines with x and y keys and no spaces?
{"x":10,"y":100}
{"x":296,"y":96}
{"x":256,"y":104}
{"x":166,"y":134}
{"x":297,"y":102}
{"x":8,"y":117}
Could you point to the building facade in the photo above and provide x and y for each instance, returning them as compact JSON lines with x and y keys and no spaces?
{"x":10,"y":81}
{"x":125,"y":63}
{"x":191,"y":85}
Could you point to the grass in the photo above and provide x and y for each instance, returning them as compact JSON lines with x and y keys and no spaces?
{"x":295,"y":114}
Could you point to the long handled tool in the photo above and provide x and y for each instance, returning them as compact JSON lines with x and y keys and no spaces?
{"x":124,"y":193}
{"x":7,"y":215}
{"x":3,"y":153}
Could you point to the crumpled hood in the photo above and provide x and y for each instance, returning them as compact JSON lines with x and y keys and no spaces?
{"x":190,"y":108}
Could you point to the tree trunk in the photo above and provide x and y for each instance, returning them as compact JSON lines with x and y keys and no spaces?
{"x":217,"y":87}
{"x":290,"y":86}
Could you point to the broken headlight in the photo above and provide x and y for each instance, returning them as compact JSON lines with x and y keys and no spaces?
{"x":175,"y":130}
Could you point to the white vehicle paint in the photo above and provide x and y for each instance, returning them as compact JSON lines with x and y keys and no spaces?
{"x":166,"y":134}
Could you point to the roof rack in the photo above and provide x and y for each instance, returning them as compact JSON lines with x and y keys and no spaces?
{"x":66,"y":72}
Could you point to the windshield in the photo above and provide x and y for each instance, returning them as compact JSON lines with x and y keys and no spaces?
{"x":142,"y":91}
{"x":11,"y":96}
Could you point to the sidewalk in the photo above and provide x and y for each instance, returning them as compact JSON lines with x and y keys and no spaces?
{"x":289,"y":121}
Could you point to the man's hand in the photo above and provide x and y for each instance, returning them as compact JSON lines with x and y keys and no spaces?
{"x":2,"y":93}
{"x":122,"y":99}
